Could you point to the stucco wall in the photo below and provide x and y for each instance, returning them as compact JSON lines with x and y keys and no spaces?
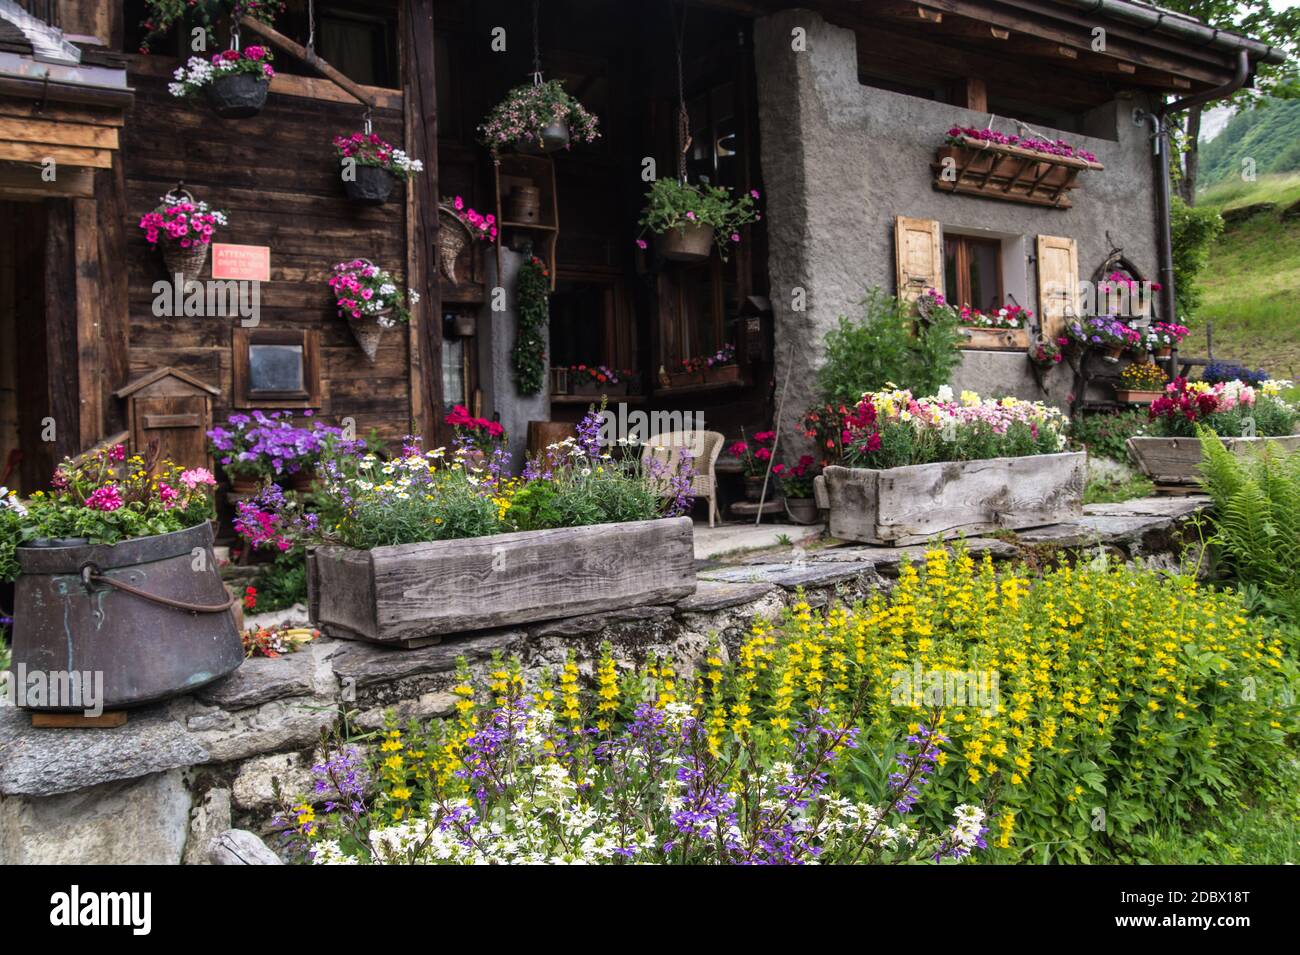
{"x":840,"y":160}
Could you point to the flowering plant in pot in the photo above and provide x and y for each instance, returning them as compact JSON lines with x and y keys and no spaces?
{"x":183,"y":228}
{"x":754,"y":454}
{"x":371,"y":301}
{"x":475,"y":434}
{"x":1048,"y":353}
{"x":1141,"y":382}
{"x":1107,"y":333}
{"x":598,"y":379}
{"x":1161,"y":337}
{"x":235,"y":82}
{"x":959,"y":136}
{"x":687,"y":219}
{"x":797,"y":486}
{"x":537,"y":118}
{"x":460,"y":224}
{"x":370,"y":164}
{"x":144,"y":615}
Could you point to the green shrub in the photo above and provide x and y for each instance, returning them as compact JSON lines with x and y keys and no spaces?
{"x":887,"y":346}
{"x":1257,"y":520}
{"x":1194,"y":230}
{"x":283,"y":582}
{"x":1104,"y":434}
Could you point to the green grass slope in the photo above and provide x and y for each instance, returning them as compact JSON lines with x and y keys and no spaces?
{"x":1252,"y":284}
{"x":1268,"y":136}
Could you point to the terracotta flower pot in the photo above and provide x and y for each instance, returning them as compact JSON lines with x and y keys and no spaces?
{"x":237,"y":96}
{"x":1164,"y":352}
{"x":1113,"y":353}
{"x":694,"y":243}
{"x":371,"y":187}
{"x":244,"y":484}
{"x":1136,"y":396}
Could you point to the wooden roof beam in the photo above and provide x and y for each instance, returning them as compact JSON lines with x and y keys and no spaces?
{"x":907,"y":12}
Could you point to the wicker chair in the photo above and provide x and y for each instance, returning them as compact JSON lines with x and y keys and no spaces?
{"x":705,"y":446}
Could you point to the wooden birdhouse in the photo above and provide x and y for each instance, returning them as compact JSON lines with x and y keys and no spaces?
{"x":173,"y":410}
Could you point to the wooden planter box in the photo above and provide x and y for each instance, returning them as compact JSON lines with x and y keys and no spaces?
{"x":414,"y":594}
{"x":589,"y":387}
{"x":914,"y":504}
{"x":1177,"y":461}
{"x":1135,"y":397}
{"x":995,"y":338}
{"x":683,"y":379}
{"x":1008,"y":172}
{"x":723,"y":375}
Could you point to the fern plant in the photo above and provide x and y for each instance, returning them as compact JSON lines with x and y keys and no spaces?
{"x":1257,"y":519}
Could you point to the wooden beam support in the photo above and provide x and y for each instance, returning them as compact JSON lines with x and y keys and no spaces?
{"x":87,"y":378}
{"x":276,"y":38}
{"x":971,"y":93}
{"x":908,"y":12}
{"x":421,"y":98}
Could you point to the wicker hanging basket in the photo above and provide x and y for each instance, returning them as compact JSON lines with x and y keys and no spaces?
{"x":367,"y":330}
{"x":453,"y":236}
{"x":187,"y":263}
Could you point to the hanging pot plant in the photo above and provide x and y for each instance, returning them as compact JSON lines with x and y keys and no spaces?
{"x":687,"y":220}
{"x":370,"y":166}
{"x":183,"y":228}
{"x":234,"y":82}
{"x":460,"y":225}
{"x":371,"y":301}
{"x":537,"y":118}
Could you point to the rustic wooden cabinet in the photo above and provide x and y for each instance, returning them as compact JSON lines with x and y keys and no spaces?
{"x":173,"y":410}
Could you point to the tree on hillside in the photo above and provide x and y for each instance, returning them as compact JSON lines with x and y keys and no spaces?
{"x":1260,"y":20}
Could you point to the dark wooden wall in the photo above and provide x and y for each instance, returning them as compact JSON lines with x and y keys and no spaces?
{"x":276,"y":177}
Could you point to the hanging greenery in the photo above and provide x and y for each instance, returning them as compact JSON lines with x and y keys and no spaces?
{"x":532,"y":291}
{"x":162,"y":15}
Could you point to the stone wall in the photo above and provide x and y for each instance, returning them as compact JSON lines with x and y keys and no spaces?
{"x":179,"y":773}
{"x":840,"y":160}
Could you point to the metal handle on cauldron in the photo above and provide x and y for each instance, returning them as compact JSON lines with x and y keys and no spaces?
{"x":90,"y":574}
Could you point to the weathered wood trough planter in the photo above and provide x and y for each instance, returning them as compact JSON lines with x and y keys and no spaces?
{"x":1177,"y":461}
{"x":412,"y":595}
{"x":920,"y":502}
{"x":149,"y":615}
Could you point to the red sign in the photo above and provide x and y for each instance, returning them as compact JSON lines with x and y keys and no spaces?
{"x":246,"y":263}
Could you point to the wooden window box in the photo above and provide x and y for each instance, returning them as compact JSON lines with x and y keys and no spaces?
{"x":995,"y":339}
{"x":995,"y":171}
{"x":1177,"y":461}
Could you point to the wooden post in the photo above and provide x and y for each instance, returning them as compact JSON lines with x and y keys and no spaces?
{"x":970,"y":93}
{"x":61,"y":346}
{"x":420,"y":98}
{"x":88,"y":372}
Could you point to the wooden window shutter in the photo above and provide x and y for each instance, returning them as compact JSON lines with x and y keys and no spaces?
{"x":1058,"y":283}
{"x":918,"y":254}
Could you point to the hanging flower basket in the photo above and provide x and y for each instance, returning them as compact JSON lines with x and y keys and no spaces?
{"x":371,"y":166}
{"x":537,"y":118}
{"x":369,"y":298}
{"x":691,"y":243}
{"x":370,"y":186}
{"x":452,"y":239}
{"x":234,"y":82}
{"x":183,"y":228}
{"x":238,"y":96}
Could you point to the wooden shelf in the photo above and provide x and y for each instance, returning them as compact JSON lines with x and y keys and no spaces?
{"x":706,"y":386}
{"x":510,"y":170}
{"x":595,"y":399}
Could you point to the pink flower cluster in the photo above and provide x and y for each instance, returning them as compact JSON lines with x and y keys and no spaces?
{"x":1058,"y":147}
{"x":186,"y":223}
{"x":105,"y":498}
{"x":481,"y":226}
{"x":250,"y":54}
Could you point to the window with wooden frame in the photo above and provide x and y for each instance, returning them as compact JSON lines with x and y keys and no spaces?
{"x":972,"y":271}
{"x":276,"y":368}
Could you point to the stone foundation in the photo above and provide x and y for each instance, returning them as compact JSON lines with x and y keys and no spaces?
{"x":159,"y":788}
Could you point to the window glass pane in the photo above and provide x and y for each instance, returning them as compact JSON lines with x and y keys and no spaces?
{"x":984,"y":275}
{"x":453,"y":371}
{"x":274,"y":368}
{"x":951,"y":287}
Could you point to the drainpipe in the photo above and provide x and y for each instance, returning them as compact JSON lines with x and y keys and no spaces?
{"x":1160,"y":143}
